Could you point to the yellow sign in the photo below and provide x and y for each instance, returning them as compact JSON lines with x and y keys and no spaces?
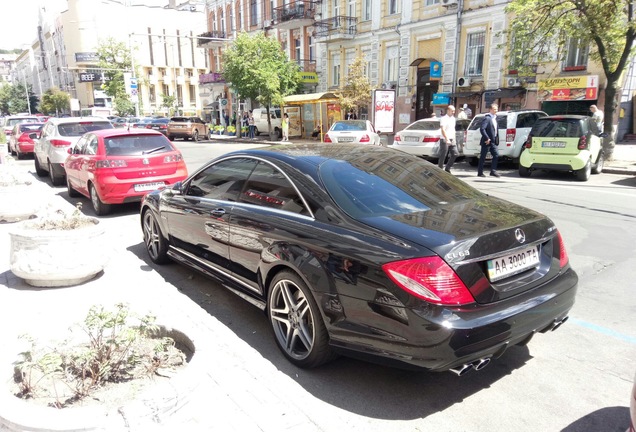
{"x":309,"y":77}
{"x":571,"y":82}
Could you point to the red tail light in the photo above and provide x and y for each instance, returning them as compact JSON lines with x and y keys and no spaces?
{"x":163,"y":126}
{"x":148,"y":126}
{"x":111,"y":163}
{"x":563,"y":254}
{"x":60,"y":143}
{"x":529,"y":141}
{"x":429,"y":279}
{"x":327,"y":139}
{"x":397,"y":137}
{"x":365,"y":138}
{"x":430,"y":139}
{"x":510,"y":136}
{"x":583,"y":143}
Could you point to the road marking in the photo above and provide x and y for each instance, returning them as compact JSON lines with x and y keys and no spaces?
{"x":604,"y":330}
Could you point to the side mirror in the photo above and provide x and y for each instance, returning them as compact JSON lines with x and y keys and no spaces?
{"x":177,"y":188}
{"x":378,"y":131}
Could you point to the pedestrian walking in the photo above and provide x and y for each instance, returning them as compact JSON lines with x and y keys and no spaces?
{"x":285,"y":127}
{"x":462,"y":114}
{"x":250,"y":125}
{"x":489,"y":141}
{"x":447,"y":144}
{"x":351,"y":115}
{"x":598,"y":117}
{"x":468,"y":111}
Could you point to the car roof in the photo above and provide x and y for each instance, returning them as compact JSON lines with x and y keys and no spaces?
{"x":565,"y":117}
{"x":65,"y":120}
{"x":103,"y":133}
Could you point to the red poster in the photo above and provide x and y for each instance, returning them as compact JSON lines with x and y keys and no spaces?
{"x":561,"y":94}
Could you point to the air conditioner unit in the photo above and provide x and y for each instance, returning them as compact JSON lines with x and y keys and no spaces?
{"x":514,"y":82}
{"x":463,"y":82}
{"x":449,"y":3}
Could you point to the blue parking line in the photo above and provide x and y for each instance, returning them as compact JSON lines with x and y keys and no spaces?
{"x":603,"y":330}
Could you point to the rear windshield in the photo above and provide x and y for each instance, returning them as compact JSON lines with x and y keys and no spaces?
{"x":424,"y":125}
{"x":410,"y":186}
{"x":137,"y":145}
{"x":79,"y":129}
{"x":180,"y":119}
{"x":33,"y":127}
{"x":350,"y":126}
{"x":15,"y":121}
{"x":557,"y":128}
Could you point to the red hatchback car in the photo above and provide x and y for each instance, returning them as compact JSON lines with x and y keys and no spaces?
{"x":115,"y":166}
{"x":20,"y":144}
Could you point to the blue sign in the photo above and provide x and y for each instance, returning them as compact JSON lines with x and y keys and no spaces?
{"x":436,"y":69}
{"x":441,"y":98}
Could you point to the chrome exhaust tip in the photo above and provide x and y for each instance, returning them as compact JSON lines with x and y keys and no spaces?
{"x":481,"y":363}
{"x":463,"y":369}
{"x":559,"y":323}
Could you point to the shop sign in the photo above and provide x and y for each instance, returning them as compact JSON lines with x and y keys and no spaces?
{"x":309,"y":77}
{"x":441,"y":98}
{"x":436,"y":70}
{"x":384,"y":110}
{"x":86,"y":57}
{"x":584,"y":87}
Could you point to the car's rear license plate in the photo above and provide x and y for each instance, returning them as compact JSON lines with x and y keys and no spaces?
{"x":509,"y":265}
{"x":553,"y":144}
{"x":345,"y":140}
{"x":411,"y":139}
{"x":145,"y":187}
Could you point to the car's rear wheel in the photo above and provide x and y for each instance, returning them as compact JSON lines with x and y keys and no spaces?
{"x":55,"y":179}
{"x":156,"y":244}
{"x":597,"y":168}
{"x":584,"y":173}
{"x":295,"y":318}
{"x":195,"y":135}
{"x":71,"y":192}
{"x":171,"y":137}
{"x":523,"y":171}
{"x":38,"y":169}
{"x":473,"y":161}
{"x":99,"y":206}
{"x":256,"y":132}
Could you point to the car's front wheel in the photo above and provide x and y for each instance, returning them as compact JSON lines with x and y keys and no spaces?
{"x":156,"y":244}
{"x":584,"y":173}
{"x":55,"y":179}
{"x":71,"y":192}
{"x":298,"y":326}
{"x":195,"y":135}
{"x":473,"y":161}
{"x":38,"y":169}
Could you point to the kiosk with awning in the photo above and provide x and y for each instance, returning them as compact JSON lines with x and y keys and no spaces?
{"x":314,"y":109}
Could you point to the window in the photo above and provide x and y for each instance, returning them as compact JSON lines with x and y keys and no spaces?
{"x":253,"y":13}
{"x":240,"y":15}
{"x":166,"y":90}
{"x":179,"y":100}
{"x":222,"y":21}
{"x":575,"y":56}
{"x":232,"y":27}
{"x":193,"y":94}
{"x":268,"y":187}
{"x":432,"y":2}
{"x":366,"y":10}
{"x":393,"y":7}
{"x":475,"y":53}
{"x":223,"y":180}
{"x":335,"y":69}
{"x":152,"y":94}
{"x":311,"y":42}
{"x":297,"y":49}
{"x":392,"y":64}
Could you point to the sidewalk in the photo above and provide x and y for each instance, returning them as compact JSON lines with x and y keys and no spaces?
{"x":227,"y":386}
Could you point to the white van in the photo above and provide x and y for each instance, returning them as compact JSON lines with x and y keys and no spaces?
{"x":260,"y":121}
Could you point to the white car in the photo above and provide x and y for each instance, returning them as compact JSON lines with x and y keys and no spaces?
{"x":422,"y":137}
{"x":352,"y":132}
{"x":514,"y":127}
{"x":58,"y":135}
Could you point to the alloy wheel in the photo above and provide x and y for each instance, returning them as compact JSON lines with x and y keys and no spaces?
{"x":153,"y":239}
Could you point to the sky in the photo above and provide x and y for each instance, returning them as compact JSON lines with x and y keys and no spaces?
{"x":20,"y":21}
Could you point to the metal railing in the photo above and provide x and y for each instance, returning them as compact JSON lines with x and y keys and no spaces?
{"x":211,"y":36}
{"x":337,"y":25}
{"x":300,"y":9}
{"x":306,"y":65}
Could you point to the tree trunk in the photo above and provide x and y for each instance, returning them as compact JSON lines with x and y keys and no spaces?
{"x":611,"y":107}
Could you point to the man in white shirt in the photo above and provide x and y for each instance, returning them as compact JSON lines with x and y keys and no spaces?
{"x":447,"y":144}
{"x":598,"y":117}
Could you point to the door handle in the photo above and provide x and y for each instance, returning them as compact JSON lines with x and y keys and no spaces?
{"x":218,"y":212}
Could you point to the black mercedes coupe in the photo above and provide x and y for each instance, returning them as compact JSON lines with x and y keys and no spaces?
{"x":368,"y":252}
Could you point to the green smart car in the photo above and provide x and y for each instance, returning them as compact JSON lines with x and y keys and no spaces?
{"x":563,"y":143}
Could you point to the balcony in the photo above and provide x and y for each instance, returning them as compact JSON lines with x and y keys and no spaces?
{"x":213,"y":39}
{"x":306,"y":65}
{"x":295,"y":15}
{"x":336,"y":28}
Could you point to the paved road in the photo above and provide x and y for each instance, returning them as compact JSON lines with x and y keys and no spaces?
{"x":575,"y":379}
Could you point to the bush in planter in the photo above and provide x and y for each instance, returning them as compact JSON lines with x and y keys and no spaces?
{"x":231,"y":130}
{"x":58,"y":249}
{"x":218,"y":129}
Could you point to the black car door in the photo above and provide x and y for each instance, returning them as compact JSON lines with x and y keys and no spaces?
{"x":198,"y":218}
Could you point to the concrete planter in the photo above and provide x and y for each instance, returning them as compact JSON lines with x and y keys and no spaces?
{"x":150,"y":408}
{"x":55,"y":257}
{"x":19,"y":202}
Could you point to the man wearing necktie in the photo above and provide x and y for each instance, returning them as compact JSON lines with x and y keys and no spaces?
{"x":489,"y":142}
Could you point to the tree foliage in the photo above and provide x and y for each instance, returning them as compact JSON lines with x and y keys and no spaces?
{"x":55,"y":101}
{"x":257,"y":68}
{"x":607,"y":26}
{"x":356,"y":89}
{"x":13,"y":99}
{"x":115,"y":59}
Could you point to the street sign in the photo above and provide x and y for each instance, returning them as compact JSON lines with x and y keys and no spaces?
{"x":224,"y":102}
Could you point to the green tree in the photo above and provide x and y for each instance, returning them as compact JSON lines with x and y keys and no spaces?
{"x":13,"y":99}
{"x":55,"y":101}
{"x":356,"y":89}
{"x":169,"y":102}
{"x":115,"y":60}
{"x":607,"y":26}
{"x":257,"y":68}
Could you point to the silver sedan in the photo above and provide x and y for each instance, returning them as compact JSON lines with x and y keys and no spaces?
{"x":352,"y":132}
